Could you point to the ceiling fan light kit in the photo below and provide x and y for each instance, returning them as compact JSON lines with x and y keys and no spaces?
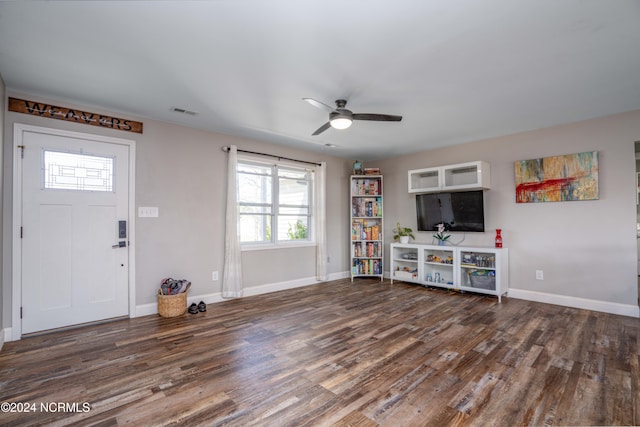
{"x":339,"y":121}
{"x":341,"y":118}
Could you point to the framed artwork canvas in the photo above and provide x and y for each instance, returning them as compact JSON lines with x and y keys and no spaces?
{"x":558,"y":178}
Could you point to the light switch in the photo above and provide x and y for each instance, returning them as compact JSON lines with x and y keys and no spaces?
{"x":148,"y":212}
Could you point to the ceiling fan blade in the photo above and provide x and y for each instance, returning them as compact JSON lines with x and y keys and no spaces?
{"x":319,"y":105}
{"x":377,"y":117}
{"x":322,"y":128}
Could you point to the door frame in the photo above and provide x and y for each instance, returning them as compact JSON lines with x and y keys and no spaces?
{"x":18,"y":134}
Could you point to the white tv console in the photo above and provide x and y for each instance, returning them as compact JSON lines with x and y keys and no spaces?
{"x":464,"y":268}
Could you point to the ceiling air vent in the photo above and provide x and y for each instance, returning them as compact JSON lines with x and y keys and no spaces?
{"x":184,"y":111}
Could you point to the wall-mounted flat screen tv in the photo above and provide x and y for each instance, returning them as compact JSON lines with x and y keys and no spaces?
{"x":459,"y":211}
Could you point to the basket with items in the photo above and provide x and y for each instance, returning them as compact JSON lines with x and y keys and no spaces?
{"x":482,"y":279}
{"x":172,"y":297}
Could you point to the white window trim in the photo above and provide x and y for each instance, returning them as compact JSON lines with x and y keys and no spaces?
{"x":284,"y":244}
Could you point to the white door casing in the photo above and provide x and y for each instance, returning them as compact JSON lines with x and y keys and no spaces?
{"x":65,"y":269}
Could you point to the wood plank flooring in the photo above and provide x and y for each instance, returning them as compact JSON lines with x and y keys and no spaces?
{"x":362,"y":354}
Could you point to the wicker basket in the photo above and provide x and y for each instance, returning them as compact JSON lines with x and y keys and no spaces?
{"x":172,"y":305}
{"x":482,"y":282}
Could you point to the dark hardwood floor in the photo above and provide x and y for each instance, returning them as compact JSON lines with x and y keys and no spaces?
{"x":361,"y":354}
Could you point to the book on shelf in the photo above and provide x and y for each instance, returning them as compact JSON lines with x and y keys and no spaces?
{"x":366,"y":267}
{"x":367,"y":207}
{"x":365,"y":187}
{"x":375,"y":233}
{"x":371,"y":249}
{"x":363,"y":230}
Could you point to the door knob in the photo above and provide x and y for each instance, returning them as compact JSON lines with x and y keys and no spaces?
{"x":121,"y":244}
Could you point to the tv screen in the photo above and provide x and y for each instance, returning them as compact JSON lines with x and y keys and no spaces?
{"x":458,"y":211}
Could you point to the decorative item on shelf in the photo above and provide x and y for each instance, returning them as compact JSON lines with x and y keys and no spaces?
{"x":498,"y":238}
{"x":357,"y":168}
{"x":468,"y":259}
{"x":402,"y":234}
{"x":441,"y":236}
{"x":372,"y":171}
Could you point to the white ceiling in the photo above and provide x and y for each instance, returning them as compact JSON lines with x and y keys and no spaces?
{"x":457,"y":70}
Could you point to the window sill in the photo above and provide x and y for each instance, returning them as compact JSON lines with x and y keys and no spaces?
{"x":270,"y":246}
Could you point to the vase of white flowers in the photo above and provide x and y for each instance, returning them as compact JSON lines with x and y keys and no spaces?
{"x":441,"y":236}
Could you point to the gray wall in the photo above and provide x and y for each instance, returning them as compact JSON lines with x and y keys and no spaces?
{"x":586,"y":249}
{"x":182,"y":172}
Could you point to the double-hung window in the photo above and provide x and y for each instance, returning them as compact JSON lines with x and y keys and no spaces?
{"x":274,"y":203}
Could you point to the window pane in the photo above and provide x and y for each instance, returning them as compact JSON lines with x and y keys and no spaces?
{"x":67,"y":171}
{"x":255,"y":228}
{"x":293,"y":227}
{"x":254,"y":188}
{"x":293,"y":192}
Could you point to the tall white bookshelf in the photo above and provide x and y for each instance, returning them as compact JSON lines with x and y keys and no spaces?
{"x":367,"y":224}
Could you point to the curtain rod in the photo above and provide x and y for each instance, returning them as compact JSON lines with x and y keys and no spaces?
{"x":225,"y":148}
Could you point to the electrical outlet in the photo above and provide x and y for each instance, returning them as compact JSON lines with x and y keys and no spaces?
{"x":539,"y":275}
{"x":214,"y":276}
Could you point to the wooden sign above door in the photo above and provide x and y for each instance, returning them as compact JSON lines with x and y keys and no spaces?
{"x":73,"y":115}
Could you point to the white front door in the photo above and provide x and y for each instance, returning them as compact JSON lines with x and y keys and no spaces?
{"x":75,"y":230}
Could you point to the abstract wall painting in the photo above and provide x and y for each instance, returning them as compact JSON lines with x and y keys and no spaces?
{"x":558,"y":178}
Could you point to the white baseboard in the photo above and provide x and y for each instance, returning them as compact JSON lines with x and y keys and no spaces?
{"x":575,"y":302}
{"x":5,"y":336}
{"x":147,"y":309}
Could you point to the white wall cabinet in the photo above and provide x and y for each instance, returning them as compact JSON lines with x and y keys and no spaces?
{"x":463,"y":176}
{"x":473,"y":269}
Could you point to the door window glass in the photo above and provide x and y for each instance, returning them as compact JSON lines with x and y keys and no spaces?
{"x":69,"y":171}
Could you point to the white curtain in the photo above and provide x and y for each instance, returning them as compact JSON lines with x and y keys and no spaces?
{"x":320,"y":197}
{"x":232,"y":272}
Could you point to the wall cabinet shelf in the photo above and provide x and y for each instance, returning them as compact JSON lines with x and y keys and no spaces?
{"x":472,"y":269}
{"x":459,"y":177}
{"x":367,"y":245}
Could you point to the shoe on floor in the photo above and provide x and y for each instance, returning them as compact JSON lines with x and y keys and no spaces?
{"x":202,"y":306}
{"x":193,"y":308}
